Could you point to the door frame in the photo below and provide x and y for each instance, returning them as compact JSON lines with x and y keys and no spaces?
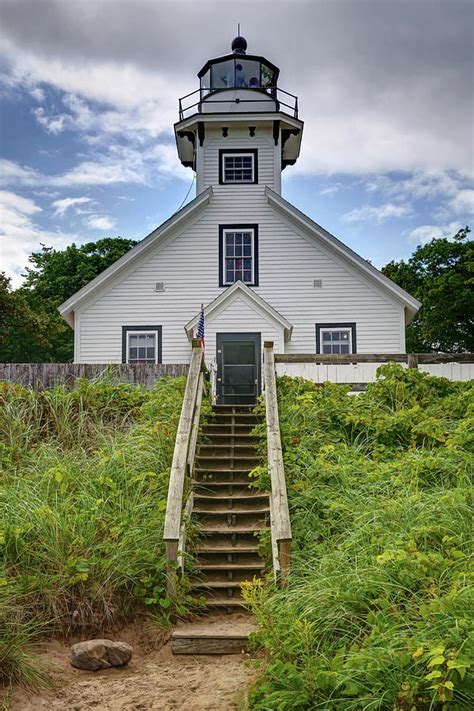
{"x":232,"y":336}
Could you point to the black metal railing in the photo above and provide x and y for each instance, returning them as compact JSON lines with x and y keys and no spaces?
{"x":192,"y":103}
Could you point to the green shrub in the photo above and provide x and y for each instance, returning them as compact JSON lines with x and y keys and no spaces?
{"x":378,"y":612}
{"x":83,"y":496}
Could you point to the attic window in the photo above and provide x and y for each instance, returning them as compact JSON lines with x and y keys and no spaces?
{"x":238,"y":166}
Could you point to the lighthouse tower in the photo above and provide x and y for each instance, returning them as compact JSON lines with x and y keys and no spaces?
{"x":239,"y":130}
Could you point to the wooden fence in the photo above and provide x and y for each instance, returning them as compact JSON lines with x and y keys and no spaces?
{"x":358,"y":369}
{"x":42,"y":376}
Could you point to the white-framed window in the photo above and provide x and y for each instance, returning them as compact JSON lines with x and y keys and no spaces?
{"x":141,"y":344}
{"x":237,"y":166}
{"x":336,"y":339}
{"x":238,"y":254}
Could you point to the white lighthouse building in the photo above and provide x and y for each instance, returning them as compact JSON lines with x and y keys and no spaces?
{"x":262,"y":269}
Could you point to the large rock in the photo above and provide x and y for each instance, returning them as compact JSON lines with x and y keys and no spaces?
{"x":98,"y":654}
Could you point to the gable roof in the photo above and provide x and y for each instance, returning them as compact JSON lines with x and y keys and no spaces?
{"x":255,"y":300}
{"x":362,"y":265}
{"x":66,"y":309}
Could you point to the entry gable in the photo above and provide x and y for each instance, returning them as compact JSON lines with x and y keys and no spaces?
{"x":239,"y":289}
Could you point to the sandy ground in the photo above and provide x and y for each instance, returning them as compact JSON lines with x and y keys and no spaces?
{"x":154,"y":679}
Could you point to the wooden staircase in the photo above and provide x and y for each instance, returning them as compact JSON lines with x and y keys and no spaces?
{"x":228,"y":511}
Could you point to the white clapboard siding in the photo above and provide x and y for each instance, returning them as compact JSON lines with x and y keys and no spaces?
{"x":239,"y":139}
{"x":188,"y":266}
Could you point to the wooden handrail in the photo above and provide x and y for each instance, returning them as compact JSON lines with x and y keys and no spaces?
{"x":183,"y":456}
{"x":335,"y":359}
{"x":279,"y":511}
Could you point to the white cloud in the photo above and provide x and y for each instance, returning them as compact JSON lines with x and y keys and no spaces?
{"x":463,"y":202}
{"x":330,"y":191}
{"x":37,"y":93}
{"x":64,"y":204}
{"x":20,"y":235}
{"x":377,"y":213}
{"x":100,"y":222}
{"x":425,"y":233}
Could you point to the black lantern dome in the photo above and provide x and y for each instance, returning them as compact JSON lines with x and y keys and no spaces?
{"x":239,"y":45}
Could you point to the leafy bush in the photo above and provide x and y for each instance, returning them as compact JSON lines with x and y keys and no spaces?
{"x":378,"y":611}
{"x":83,"y":497}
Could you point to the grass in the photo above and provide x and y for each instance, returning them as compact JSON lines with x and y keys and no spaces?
{"x":82,"y":500}
{"x":378,"y":612}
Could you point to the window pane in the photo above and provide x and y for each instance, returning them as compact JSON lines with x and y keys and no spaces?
{"x":247,"y":276}
{"x":247,"y":250}
{"x":326,"y":348}
{"x":238,"y":168}
{"x":133,"y":341}
{"x":238,"y":251}
{"x":132,"y":353}
{"x":141,"y":352}
{"x":335,"y":348}
{"x":326,"y":335}
{"x":150,"y":352}
{"x":344,"y":336}
{"x":345,"y":348}
{"x":222,"y":75}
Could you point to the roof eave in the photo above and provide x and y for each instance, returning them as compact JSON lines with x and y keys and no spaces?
{"x":70,"y":304}
{"x":359,"y":262}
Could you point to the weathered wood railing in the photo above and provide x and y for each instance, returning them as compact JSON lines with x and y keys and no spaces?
{"x":279,"y":512}
{"x":183,"y":462}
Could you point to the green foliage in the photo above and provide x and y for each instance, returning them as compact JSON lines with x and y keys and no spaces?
{"x":440,"y":274}
{"x":33,"y":330}
{"x":378,"y":612}
{"x":83,"y":497}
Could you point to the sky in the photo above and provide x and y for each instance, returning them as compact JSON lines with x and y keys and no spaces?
{"x":89,"y":93}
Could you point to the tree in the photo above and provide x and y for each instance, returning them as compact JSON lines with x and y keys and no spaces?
{"x":53,"y":278}
{"x":440,"y":274}
{"x":21,"y":338}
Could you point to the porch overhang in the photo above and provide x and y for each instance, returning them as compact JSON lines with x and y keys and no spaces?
{"x":239,"y":288}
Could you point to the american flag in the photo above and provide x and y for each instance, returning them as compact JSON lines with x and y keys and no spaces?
{"x":200,"y":326}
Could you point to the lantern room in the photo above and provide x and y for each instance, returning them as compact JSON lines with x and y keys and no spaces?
{"x":238,"y":88}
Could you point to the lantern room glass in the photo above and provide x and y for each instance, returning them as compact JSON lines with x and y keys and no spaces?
{"x":237,"y":73}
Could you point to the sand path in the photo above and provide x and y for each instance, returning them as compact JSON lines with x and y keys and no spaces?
{"x":154,"y":679}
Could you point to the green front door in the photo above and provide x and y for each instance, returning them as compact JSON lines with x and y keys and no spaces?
{"x":238,"y":368}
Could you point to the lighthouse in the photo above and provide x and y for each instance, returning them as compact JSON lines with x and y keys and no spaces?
{"x":262,"y":270}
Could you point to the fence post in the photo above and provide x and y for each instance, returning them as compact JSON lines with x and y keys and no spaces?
{"x":412,"y":360}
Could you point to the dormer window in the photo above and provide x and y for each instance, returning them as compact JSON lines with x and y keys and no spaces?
{"x":238,"y":254}
{"x":238,"y":166}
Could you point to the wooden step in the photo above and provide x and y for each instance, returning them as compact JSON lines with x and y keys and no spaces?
{"x":226,"y":511}
{"x":222,"y":601}
{"x":217,"y":635}
{"x":238,"y":497}
{"x":232,"y":566}
{"x":222,"y":470}
{"x":224,"y":529}
{"x":223,"y":547}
